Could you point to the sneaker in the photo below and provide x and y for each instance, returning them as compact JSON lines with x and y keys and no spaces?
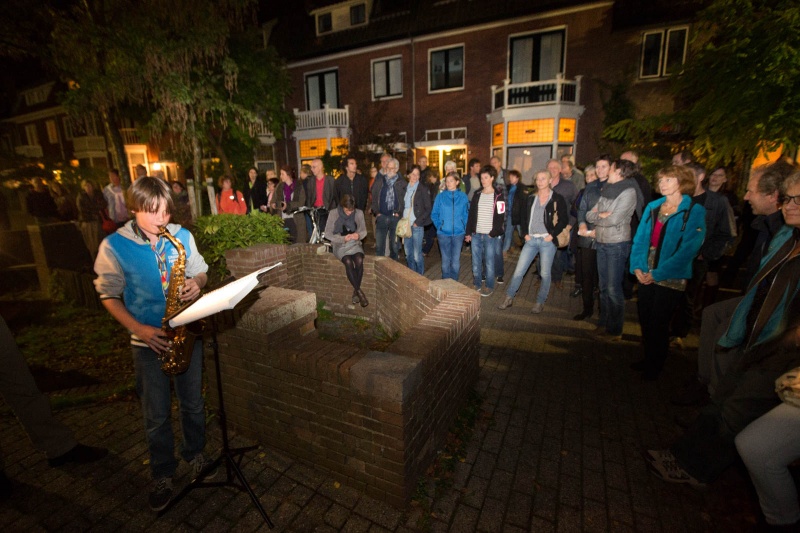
{"x":201,"y":464}
{"x":537,"y":308}
{"x":664,"y":466}
{"x":161,"y":494}
{"x":583,"y":315}
{"x":500,"y":280}
{"x":487,"y":292}
{"x":576,"y":292}
{"x":508,"y":302}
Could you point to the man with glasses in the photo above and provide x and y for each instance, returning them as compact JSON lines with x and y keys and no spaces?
{"x":387,"y":192}
{"x":763,"y":195}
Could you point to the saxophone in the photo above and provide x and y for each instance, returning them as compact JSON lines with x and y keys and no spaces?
{"x":176,"y":359}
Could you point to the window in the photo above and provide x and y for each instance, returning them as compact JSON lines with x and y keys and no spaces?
{"x":324,"y":23}
{"x":537,"y":57}
{"x":387,"y":78}
{"x":322,"y":88}
{"x":67,"y":128}
{"x":663,"y":52}
{"x":52,"y":132}
{"x":358,"y":14}
{"x":31,"y":135}
{"x":447,"y":69}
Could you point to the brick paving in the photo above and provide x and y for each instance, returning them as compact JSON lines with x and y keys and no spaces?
{"x":556,"y":448}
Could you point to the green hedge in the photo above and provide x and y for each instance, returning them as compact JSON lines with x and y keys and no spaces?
{"x":216,"y":234}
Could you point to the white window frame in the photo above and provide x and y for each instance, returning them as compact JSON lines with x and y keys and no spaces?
{"x":386,"y":60}
{"x":31,"y":135}
{"x":306,"y":75}
{"x":663,"y":58}
{"x":431,"y":51}
{"x":522,"y":35}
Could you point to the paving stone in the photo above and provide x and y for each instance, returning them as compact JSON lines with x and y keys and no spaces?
{"x":491,"y":516}
{"x":466,"y":519}
{"x":378,"y":512}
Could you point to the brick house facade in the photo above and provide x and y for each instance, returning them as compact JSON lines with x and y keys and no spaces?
{"x":455,"y":80}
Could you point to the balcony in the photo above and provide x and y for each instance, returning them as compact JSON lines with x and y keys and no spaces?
{"x":30,"y":150}
{"x":322,"y":118}
{"x":89,"y":143}
{"x":536,"y":93}
{"x":130,"y":136}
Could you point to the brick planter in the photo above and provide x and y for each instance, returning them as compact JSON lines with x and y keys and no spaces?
{"x":373,"y":418}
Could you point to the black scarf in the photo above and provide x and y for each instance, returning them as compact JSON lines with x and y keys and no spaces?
{"x":345,"y":225}
{"x":613,"y":190}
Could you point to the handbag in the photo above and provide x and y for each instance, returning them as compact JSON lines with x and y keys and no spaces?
{"x":403,"y":229}
{"x":563,"y":238}
{"x":109,"y":226}
{"x":788,"y":387}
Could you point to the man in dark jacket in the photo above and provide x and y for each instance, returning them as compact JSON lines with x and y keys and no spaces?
{"x":388,"y":192}
{"x":353,"y":183}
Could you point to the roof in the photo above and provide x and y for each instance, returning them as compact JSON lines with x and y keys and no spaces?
{"x":295,"y":36}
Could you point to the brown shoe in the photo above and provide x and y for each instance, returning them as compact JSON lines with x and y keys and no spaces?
{"x":558,"y":284}
{"x":362,"y":298}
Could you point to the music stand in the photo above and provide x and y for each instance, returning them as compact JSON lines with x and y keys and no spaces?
{"x":232,"y":456}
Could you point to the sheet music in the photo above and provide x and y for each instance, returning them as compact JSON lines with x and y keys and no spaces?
{"x":225,"y":297}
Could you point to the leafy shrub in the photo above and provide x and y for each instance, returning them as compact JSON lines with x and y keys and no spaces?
{"x":216,"y":234}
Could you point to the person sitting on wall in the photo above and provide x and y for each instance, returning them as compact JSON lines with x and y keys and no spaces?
{"x":346,"y":229}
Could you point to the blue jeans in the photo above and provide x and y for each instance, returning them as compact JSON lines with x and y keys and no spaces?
{"x":413,"y":246}
{"x":153,"y":387}
{"x":485,"y":250}
{"x":450,"y":247}
{"x":509,"y":234}
{"x":611,"y":260}
{"x":385,"y":226}
{"x":546,"y":251}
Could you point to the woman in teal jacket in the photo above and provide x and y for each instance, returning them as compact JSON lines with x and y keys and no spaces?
{"x":667,"y":241}
{"x":449,"y":215}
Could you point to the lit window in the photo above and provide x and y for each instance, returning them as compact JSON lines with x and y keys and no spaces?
{"x":663,"y":52}
{"x":566,"y":130}
{"x":52,"y":132}
{"x":31,"y":135}
{"x":324,"y":23}
{"x":531,"y":131}
{"x":358,"y":14}
{"x":387,"y":78}
{"x":497,"y":134}
{"x":447,"y":69}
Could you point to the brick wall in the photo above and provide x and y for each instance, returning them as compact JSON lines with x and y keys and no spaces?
{"x":374,"y":419}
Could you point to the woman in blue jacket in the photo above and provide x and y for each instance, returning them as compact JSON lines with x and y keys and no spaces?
{"x":449,"y":215}
{"x":667,"y":241}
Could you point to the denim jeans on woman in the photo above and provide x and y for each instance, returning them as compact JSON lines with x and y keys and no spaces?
{"x":485,"y":250}
{"x":153,"y":388}
{"x":546,"y":251}
{"x":611,"y":260}
{"x":450,"y":247}
{"x":413,"y":247}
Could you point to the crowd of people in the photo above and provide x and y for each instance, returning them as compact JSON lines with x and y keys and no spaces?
{"x":672,"y":247}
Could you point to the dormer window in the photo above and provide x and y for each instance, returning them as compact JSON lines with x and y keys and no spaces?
{"x":324,"y":23}
{"x":358,"y":14}
{"x":342,"y":16}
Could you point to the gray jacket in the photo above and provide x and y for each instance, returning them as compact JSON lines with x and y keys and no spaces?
{"x":617,"y":226}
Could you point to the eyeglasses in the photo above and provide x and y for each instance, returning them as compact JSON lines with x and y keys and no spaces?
{"x":789,"y":199}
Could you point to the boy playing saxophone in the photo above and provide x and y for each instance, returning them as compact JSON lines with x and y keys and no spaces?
{"x":134,"y":266}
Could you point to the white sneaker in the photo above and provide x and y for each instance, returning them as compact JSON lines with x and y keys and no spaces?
{"x":201,"y":464}
{"x":537,"y":308}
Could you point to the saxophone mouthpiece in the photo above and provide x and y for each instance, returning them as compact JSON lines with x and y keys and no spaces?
{"x":162,"y":230}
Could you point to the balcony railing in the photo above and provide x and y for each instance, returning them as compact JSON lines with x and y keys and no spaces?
{"x":130,"y":136}
{"x":547,"y":92}
{"x":89,"y":144}
{"x":322,"y":118}
{"x":30,"y":150}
